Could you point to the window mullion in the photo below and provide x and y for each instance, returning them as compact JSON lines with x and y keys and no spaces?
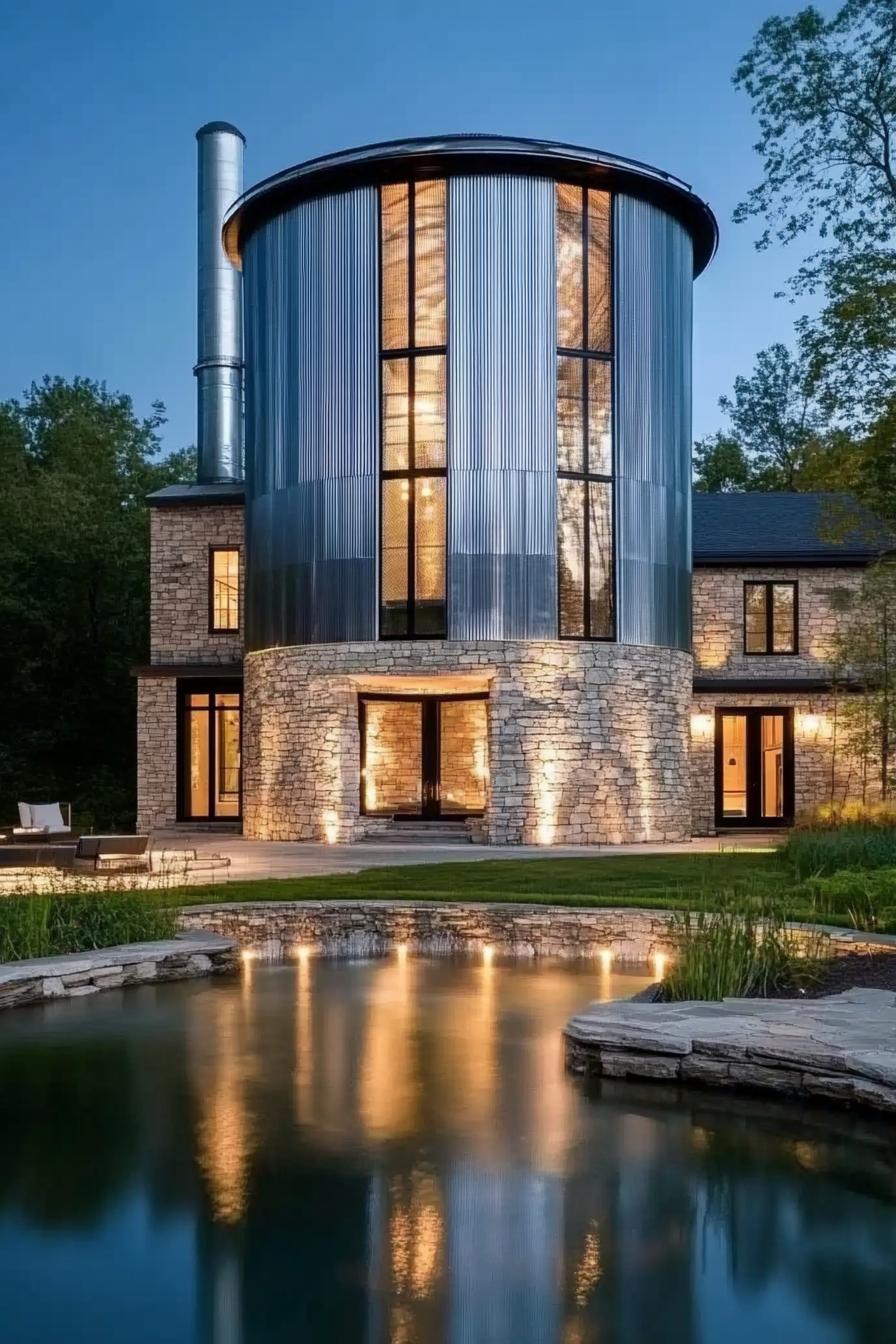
{"x":769,"y":618}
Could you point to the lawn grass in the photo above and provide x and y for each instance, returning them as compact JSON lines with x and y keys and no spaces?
{"x":633,"y":879}
{"x":656,"y":881}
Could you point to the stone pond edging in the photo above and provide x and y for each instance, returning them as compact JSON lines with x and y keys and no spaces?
{"x":371,"y":928}
{"x":838,"y":1049}
{"x":77,"y":974}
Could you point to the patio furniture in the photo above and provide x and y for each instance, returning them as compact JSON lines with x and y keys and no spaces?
{"x":112,"y":853}
{"x":43,"y":822}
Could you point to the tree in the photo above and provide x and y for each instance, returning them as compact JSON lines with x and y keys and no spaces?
{"x":775,"y":426}
{"x":865,"y":654}
{"x":824,"y":92}
{"x":77,"y":465}
{"x":720,"y":464}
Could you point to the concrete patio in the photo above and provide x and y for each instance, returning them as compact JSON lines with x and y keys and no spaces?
{"x":279,"y":858}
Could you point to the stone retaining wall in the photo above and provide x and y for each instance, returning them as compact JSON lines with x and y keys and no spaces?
{"x":78,"y":974}
{"x":345,"y":928}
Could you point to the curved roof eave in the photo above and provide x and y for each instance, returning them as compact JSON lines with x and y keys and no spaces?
{"x":452,"y":154}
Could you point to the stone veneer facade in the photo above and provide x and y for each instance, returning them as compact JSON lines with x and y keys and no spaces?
{"x":181,"y":538}
{"x":587,"y":741}
{"x":718,"y":598}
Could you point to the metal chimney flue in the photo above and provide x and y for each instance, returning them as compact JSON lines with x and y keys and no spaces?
{"x":219,"y":364}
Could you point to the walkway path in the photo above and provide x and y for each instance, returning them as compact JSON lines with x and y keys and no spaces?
{"x":274,"y":858}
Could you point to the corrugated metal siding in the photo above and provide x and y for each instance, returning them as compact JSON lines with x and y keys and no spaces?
{"x":312,"y":388}
{"x":653,"y":329}
{"x":501,"y":408}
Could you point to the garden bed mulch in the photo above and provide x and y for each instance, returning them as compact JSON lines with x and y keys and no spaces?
{"x":875,"y":970}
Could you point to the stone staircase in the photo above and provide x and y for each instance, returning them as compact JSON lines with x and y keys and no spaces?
{"x":390,"y":831}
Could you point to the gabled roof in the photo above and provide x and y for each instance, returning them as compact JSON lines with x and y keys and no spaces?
{"x":785,"y":527}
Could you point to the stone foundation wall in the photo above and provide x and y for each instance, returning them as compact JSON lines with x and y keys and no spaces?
{"x":588,"y":743}
{"x":822,"y":768}
{"x":156,"y":752}
{"x":718,"y":598}
{"x":179,"y":580}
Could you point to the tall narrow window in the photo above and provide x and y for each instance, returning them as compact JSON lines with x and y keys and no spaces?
{"x":413,"y":343}
{"x":224,"y":588}
{"x":584,"y":414}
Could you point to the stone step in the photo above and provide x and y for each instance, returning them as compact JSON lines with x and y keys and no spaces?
{"x":420,"y":833}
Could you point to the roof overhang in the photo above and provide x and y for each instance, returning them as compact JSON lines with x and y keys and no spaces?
{"x":453,"y":155}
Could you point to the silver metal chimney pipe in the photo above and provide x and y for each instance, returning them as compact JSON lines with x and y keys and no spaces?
{"x":219,"y":364}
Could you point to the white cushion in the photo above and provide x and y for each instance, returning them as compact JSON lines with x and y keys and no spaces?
{"x":47,"y":815}
{"x":25,"y":815}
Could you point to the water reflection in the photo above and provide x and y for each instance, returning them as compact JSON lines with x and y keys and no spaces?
{"x":392,"y":1152}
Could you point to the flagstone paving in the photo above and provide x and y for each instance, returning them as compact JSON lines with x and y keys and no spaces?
{"x":841,"y":1048}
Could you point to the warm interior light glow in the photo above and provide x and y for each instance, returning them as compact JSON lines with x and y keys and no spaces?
{"x":810,"y":724}
{"x":701,"y":727}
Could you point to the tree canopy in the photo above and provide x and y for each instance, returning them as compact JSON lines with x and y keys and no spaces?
{"x":77,"y":464}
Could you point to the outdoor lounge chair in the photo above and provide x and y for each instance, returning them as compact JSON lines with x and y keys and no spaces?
{"x":112,"y":853}
{"x":43,"y":821}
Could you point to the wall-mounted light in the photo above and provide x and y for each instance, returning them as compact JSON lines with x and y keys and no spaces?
{"x":701,"y":727}
{"x":810,"y":724}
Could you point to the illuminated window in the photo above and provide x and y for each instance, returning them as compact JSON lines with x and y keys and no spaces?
{"x":414,"y":436}
{"x":584,"y":414}
{"x":770,"y":617}
{"x":224,"y":588}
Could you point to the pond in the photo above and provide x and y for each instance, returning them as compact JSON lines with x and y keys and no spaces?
{"x":391,"y":1151}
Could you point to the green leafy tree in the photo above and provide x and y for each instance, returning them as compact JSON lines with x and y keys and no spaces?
{"x":865,"y":654}
{"x":824,"y":93}
{"x":77,"y":464}
{"x":774,"y":427}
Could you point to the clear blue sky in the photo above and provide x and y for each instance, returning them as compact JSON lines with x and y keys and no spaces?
{"x":100,"y":100}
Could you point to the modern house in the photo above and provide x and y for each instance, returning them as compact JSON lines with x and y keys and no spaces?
{"x":456,"y":580}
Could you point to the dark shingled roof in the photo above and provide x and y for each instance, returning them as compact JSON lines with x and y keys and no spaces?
{"x":210,"y":492}
{"x":786,"y":527}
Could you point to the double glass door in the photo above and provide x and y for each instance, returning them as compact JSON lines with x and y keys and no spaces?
{"x":754,"y":767}
{"x":209,"y":752}
{"x":424,"y":756}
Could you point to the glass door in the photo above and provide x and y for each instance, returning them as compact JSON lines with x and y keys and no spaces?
{"x":754,"y":767}
{"x":423,"y":756}
{"x":210,"y":764}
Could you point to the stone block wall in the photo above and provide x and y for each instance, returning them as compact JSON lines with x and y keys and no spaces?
{"x":180,"y":539}
{"x":718,"y":596}
{"x":156,"y":752}
{"x":588,"y":743}
{"x":394,"y":748}
{"x":822,"y":768}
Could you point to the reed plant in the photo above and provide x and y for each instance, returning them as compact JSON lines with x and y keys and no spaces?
{"x":738,"y":952}
{"x":51,"y":923}
{"x":815,"y":853}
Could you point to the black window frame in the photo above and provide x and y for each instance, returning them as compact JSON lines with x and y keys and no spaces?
{"x":586,"y":358}
{"x":214,"y":629}
{"x":411,"y":473}
{"x":211,"y":687}
{"x":753,"y":819}
{"x":769,"y":585}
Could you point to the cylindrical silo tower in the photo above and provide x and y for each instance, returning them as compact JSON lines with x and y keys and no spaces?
{"x":468,"y":440}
